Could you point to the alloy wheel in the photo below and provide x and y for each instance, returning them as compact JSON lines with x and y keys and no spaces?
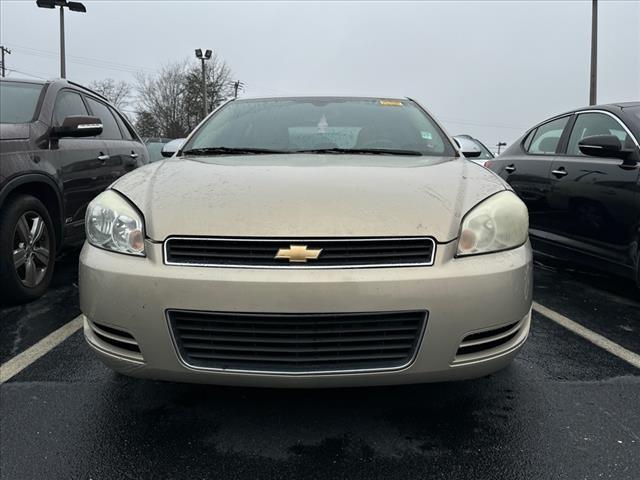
{"x":31,"y":249}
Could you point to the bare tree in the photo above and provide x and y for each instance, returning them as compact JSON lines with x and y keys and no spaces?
{"x":173,"y":96}
{"x":147,"y":126}
{"x":117,"y":92}
{"x":219,"y":84}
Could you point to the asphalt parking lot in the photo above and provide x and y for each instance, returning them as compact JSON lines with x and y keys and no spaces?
{"x":566,"y":408}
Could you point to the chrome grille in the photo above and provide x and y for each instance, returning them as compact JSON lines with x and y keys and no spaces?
{"x":297,"y":343}
{"x":335,"y":253}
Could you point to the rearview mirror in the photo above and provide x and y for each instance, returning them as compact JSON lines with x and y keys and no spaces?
{"x":603,"y":146}
{"x":79,"y":126}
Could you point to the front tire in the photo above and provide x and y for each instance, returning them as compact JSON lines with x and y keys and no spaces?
{"x":27,"y":249}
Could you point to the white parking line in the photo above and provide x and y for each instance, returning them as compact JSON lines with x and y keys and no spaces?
{"x":595,"y":338}
{"x":21,"y":361}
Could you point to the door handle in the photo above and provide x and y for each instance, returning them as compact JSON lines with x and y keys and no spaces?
{"x":103,"y":158}
{"x":510,"y":168}
{"x":133,"y":155}
{"x":561,"y":172}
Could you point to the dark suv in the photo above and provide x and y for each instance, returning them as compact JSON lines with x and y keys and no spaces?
{"x":579,"y":174}
{"x":60,"y":145}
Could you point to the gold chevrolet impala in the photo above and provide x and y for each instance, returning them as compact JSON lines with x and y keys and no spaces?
{"x":308,"y":242}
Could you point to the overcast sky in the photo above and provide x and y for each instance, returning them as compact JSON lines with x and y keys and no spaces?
{"x":490,"y":69}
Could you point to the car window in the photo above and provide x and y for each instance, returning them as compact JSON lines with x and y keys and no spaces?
{"x":293,"y":124}
{"x":527,"y":142}
{"x":547,"y":137}
{"x":68,"y":103}
{"x":126,"y":133}
{"x":110,"y":129}
{"x":592,"y":124}
{"x":19,"y":101}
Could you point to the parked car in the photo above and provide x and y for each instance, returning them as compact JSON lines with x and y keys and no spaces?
{"x":154,"y":147}
{"x":578,"y":174}
{"x":60,"y":145}
{"x":484,"y":154}
{"x":308,"y":242}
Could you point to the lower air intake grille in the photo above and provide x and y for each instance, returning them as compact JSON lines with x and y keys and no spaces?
{"x":297,"y":343}
{"x":112,"y":337}
{"x":478,"y":342}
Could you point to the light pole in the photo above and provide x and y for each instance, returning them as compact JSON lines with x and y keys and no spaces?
{"x":206,"y":56}
{"x":74,"y":7}
{"x":500,"y":144}
{"x":593,"y":86}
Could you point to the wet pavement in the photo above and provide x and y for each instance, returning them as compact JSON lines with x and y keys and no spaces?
{"x":564,"y":409}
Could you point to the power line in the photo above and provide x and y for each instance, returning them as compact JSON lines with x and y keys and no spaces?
{"x":495,"y":125}
{"x":88,"y":61}
{"x":25,"y":73}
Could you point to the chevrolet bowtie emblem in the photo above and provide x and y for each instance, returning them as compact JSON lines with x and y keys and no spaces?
{"x":298,"y":253}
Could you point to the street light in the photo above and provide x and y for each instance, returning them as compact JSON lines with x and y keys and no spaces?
{"x":74,"y":7}
{"x":500,"y":144}
{"x":206,"y":56}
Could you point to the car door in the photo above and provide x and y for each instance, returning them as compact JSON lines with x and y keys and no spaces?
{"x":122,"y":158}
{"x":527,"y":169}
{"x":79,"y":162}
{"x":593,"y":199}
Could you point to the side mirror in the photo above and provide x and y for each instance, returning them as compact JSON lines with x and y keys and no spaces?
{"x":468,"y":147}
{"x":79,"y":126}
{"x":603,"y":146}
{"x":471,"y":153}
{"x":170,"y":148}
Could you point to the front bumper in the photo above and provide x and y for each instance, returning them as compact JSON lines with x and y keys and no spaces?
{"x":462,"y":296}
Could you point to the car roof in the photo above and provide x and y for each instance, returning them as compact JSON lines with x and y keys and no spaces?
{"x":58,"y":82}
{"x":607,"y":106}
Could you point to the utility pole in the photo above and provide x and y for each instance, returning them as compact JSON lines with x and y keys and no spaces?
{"x":206,"y":56}
{"x":593,"y":87}
{"x":74,"y":7}
{"x":237,"y":85}
{"x":8,"y":52}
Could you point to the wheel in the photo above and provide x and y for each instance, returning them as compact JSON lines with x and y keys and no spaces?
{"x":27,"y":249}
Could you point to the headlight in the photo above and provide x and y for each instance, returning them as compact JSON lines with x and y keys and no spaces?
{"x":498,"y":223}
{"x":114,"y":224}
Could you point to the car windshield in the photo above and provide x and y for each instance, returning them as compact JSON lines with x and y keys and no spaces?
{"x":320,"y":125}
{"x":18,"y":101}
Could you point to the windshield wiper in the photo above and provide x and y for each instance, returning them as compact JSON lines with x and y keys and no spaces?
{"x":230,"y":150}
{"x":362,"y":151}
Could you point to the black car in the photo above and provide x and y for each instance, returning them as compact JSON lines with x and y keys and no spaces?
{"x":579,"y":175}
{"x":60,"y":145}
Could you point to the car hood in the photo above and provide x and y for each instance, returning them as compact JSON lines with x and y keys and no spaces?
{"x":304,"y":195}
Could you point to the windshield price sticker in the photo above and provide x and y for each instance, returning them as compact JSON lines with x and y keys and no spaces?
{"x":391,"y":103}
